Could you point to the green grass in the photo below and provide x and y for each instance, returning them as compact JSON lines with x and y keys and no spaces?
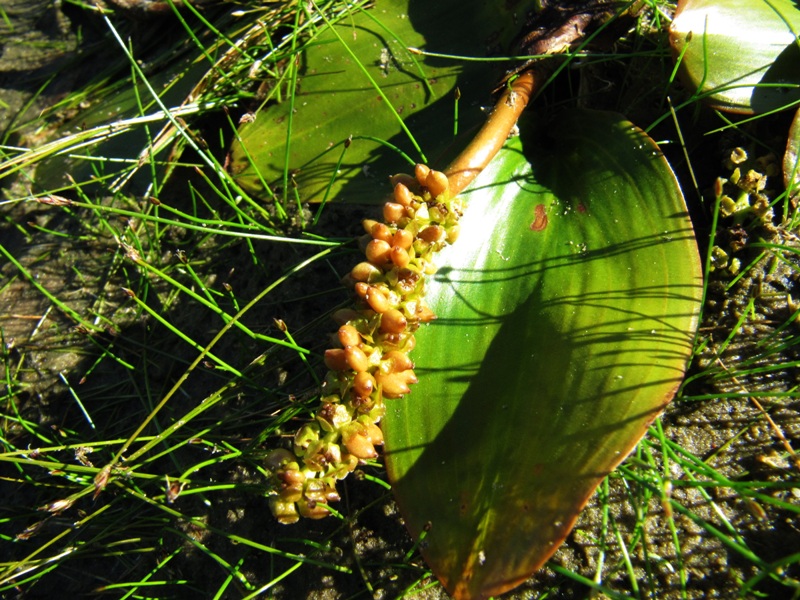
{"x":162,"y":330}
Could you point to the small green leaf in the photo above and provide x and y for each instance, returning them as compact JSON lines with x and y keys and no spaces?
{"x":567,"y":310}
{"x":742,"y":55}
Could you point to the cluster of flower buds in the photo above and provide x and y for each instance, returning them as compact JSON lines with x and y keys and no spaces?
{"x":370,"y":360}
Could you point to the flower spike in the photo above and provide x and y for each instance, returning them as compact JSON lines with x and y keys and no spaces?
{"x":371,"y":360}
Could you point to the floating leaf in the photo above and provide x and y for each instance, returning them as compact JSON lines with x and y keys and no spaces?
{"x":357,"y":80}
{"x":743,"y":54}
{"x":566,"y":311}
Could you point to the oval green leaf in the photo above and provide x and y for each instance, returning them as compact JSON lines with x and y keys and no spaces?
{"x":567,"y":310}
{"x":740,"y":55}
{"x":358,"y":81}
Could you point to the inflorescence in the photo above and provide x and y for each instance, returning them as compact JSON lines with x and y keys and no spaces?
{"x":370,"y":360}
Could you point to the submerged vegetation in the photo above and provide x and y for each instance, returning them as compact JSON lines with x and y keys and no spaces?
{"x":167,"y":287}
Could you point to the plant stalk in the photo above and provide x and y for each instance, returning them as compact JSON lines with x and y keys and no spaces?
{"x":494,"y":133}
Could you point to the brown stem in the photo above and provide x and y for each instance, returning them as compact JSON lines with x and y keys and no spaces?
{"x":494,"y":133}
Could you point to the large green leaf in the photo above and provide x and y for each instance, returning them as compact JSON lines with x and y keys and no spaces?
{"x":566,"y":315}
{"x":743,"y":54}
{"x":359,"y":79}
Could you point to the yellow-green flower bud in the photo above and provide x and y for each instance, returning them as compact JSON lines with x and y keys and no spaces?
{"x":396,"y":385}
{"x":368,"y":224}
{"x":366,"y":272}
{"x":377,"y":300}
{"x":393,"y":321}
{"x":312,"y":509}
{"x":421,"y":172}
{"x":285,"y":512}
{"x":399,"y":256}
{"x":395,"y":361}
{"x":290,"y":484}
{"x":437,"y":183}
{"x":403,"y":238}
{"x":378,"y":252}
{"x":393,"y":212}
{"x":407,"y":180}
{"x":381,"y":231}
{"x":402,"y":195}
{"x":363,"y":384}
{"x":356,"y":359}
{"x":348,"y":336}
{"x":357,"y":441}
{"x":305,"y":437}
{"x":321,"y":490}
{"x":333,"y":416}
{"x":335,"y":359}
{"x":452,"y":233}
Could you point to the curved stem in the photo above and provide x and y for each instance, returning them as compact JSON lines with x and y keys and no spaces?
{"x":491,"y":137}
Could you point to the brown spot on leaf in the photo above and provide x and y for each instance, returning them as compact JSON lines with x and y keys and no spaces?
{"x":539,"y":218}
